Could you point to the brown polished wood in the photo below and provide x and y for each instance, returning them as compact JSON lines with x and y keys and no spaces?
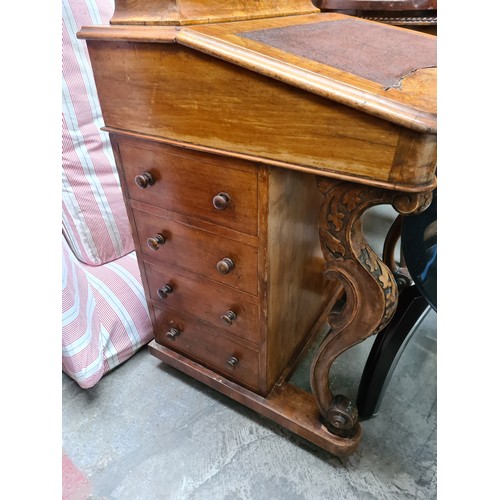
{"x":266,"y":270}
{"x":209,"y":177}
{"x":370,"y":287}
{"x":197,"y":250}
{"x":296,"y":285}
{"x":205,"y":301}
{"x":177,"y":12}
{"x":225,"y":104}
{"x":207,"y":346}
{"x":222,"y":134}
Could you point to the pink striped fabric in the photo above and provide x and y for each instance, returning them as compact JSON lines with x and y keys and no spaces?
{"x":104,"y":318}
{"x":95,"y":222}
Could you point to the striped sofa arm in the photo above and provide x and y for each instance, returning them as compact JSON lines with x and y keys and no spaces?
{"x":94,"y":217}
{"x":105,"y":317}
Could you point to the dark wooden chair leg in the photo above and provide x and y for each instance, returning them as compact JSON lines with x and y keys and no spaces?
{"x":387,"y":349}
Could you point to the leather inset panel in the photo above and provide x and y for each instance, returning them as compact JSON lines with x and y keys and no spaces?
{"x":373,"y":51}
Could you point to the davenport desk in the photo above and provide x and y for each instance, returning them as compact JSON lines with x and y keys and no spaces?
{"x":250,"y":137}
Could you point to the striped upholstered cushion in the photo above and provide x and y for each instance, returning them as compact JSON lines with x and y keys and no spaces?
{"x":105,"y":317}
{"x":95,"y":222}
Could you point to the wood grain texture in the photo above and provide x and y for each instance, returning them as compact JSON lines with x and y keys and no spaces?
{"x":186,"y":182}
{"x":207,"y":346}
{"x":187,"y":107}
{"x":412,"y":102}
{"x":175,"y":12}
{"x":197,"y":250}
{"x":276,"y":163}
{"x":206,"y":302}
{"x":416,"y":154}
{"x":399,"y":106}
{"x":370,"y":287}
{"x":126,"y":33}
{"x":297,"y":290}
{"x":150,"y":89}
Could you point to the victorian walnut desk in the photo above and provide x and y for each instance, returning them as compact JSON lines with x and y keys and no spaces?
{"x":250,"y":137}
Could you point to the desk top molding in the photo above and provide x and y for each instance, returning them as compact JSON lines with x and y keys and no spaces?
{"x":409,"y":101}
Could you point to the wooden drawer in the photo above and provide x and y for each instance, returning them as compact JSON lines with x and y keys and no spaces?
{"x":196,"y":299}
{"x":188,"y":182}
{"x":207,"y":347}
{"x":197,"y":250}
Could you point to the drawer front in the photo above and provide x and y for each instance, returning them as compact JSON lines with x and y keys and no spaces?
{"x":192,"y":184}
{"x":198,"y":251}
{"x":207,"y":347}
{"x":222,"y":310}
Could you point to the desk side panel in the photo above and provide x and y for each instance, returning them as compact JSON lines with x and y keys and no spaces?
{"x":169,"y":91}
{"x":298,"y":292}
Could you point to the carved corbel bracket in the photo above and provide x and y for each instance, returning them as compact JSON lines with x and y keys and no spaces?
{"x":370,"y":288}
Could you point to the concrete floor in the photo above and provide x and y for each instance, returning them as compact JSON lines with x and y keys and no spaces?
{"x":147,"y":431}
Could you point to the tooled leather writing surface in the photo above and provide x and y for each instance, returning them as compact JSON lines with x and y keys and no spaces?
{"x":376,"y":53}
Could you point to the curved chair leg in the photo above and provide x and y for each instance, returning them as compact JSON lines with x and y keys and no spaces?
{"x":387,"y":349}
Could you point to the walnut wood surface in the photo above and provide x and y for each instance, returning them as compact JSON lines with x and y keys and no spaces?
{"x":187,"y":107}
{"x":208,"y":176}
{"x":370,"y":287}
{"x":127,"y":33}
{"x":225,"y":106}
{"x":277,"y":287}
{"x":207,"y":346}
{"x":297,"y":290}
{"x":198,"y":250}
{"x":204,"y":301}
{"x":175,"y":12}
{"x":409,"y":108}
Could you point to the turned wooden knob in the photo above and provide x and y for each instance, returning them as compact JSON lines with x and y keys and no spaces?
{"x":225,"y":266}
{"x":173,"y":333}
{"x":229,"y":317}
{"x":221,"y":201}
{"x":144,"y":180}
{"x":155,"y":242}
{"x":164,"y":291}
{"x":232,"y":361}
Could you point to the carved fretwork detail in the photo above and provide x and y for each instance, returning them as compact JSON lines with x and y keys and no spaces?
{"x":370,"y":288}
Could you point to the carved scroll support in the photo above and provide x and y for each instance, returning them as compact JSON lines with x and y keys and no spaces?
{"x":370,"y":288}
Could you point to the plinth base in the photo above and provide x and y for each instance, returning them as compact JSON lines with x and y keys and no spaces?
{"x":287,"y":405}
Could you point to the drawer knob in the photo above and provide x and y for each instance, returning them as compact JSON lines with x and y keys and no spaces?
{"x":173,"y":333}
{"x":155,"y":242}
{"x":229,"y":317}
{"x":221,"y":201}
{"x":164,"y":291}
{"x":225,"y":266}
{"x":232,"y":361}
{"x":144,"y":180}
